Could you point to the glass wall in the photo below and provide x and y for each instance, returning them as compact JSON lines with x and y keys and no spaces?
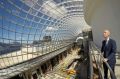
{"x":31,"y":28}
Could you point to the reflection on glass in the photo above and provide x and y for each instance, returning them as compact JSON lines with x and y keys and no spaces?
{"x":22,"y":31}
{"x":29,"y":29}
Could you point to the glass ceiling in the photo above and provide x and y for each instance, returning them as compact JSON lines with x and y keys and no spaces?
{"x":30,"y":28}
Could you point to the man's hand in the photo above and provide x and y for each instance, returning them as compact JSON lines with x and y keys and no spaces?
{"x":105,"y":59}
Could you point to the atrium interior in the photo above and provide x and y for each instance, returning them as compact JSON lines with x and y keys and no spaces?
{"x":56,"y":39}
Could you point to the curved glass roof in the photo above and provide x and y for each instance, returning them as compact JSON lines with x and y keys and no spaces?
{"x":30,"y":28}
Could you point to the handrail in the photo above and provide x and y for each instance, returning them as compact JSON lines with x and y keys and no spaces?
{"x":112,"y":74}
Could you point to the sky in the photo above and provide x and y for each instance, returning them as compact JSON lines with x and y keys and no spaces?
{"x":19,"y":22}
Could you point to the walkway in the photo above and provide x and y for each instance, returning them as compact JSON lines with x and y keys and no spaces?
{"x":59,"y":72}
{"x":117,"y":68}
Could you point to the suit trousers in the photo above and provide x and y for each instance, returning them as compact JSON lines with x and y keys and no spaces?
{"x":106,"y":70}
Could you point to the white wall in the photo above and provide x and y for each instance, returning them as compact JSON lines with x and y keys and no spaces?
{"x":103,"y":14}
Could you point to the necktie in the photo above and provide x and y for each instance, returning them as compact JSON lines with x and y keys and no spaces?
{"x":105,"y":48}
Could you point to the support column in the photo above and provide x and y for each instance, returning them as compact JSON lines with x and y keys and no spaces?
{"x":28,"y":74}
{"x":49,"y":66}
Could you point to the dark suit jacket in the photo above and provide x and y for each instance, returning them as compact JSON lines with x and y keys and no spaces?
{"x":109,"y":50}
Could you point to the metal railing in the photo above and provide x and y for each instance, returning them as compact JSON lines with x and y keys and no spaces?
{"x":99,"y":59}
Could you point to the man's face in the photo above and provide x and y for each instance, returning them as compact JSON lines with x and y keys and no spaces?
{"x":106,"y":34}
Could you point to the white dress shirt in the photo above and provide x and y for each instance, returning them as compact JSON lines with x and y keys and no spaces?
{"x":107,"y":41}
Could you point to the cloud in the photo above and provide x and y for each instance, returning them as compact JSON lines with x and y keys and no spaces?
{"x":53,"y":10}
{"x":50,"y":29}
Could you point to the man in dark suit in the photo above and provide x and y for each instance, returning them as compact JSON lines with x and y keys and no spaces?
{"x":108,"y":49}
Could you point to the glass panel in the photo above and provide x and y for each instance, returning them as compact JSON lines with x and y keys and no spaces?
{"x":28,"y":26}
